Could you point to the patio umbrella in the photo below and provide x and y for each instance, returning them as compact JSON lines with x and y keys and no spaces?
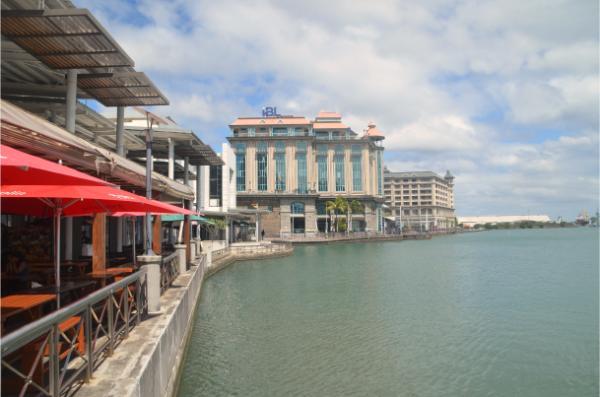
{"x":24,"y":169}
{"x":75,"y":200}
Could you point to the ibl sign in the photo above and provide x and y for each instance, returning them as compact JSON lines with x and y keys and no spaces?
{"x":270,"y":111}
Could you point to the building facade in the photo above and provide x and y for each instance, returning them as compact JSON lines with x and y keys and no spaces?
{"x":291,"y":166}
{"x":421,"y":200}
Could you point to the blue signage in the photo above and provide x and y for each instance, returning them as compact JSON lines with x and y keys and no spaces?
{"x":270,"y":111}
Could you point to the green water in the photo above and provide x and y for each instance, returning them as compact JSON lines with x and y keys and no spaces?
{"x":500,"y":313}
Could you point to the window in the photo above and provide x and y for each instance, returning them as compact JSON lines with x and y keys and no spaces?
{"x":301,"y":163}
{"x":320,"y":208}
{"x":297,"y":207}
{"x":215,"y":181}
{"x":322,"y":167}
{"x":340,"y":185}
{"x":279,"y":166}
{"x":240,"y":166}
{"x":261,"y":166}
{"x":280,"y":131}
{"x":356,"y":168}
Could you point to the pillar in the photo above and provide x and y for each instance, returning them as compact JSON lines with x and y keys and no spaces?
{"x":99,"y":242}
{"x":151,"y":265}
{"x":186,"y":171}
{"x":121,"y":152}
{"x":186,"y":238}
{"x":157,"y":235}
{"x":70,"y":116}
{"x":198,"y":188}
{"x":171,"y":172}
{"x":181,"y":257}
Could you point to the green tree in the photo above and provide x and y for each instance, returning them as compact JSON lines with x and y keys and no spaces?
{"x":354,"y":207}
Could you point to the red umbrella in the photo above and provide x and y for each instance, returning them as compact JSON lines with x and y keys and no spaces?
{"x":75,"y":200}
{"x":24,"y":169}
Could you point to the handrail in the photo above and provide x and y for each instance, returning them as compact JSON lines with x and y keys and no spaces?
{"x":29,"y":332}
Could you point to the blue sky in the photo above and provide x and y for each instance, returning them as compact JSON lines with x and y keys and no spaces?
{"x":504,"y":94}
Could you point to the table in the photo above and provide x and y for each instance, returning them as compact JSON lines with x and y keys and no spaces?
{"x":31,"y":303}
{"x":66,"y":288}
{"x":120,"y":270}
{"x":101,"y":277}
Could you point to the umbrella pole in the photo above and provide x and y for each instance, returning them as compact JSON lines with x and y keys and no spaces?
{"x":133,"y":220}
{"x":57,"y":253}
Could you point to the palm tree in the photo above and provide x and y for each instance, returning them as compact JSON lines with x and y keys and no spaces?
{"x":354,"y":206}
{"x":330,"y":208}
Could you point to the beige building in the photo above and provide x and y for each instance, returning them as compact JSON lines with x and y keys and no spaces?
{"x":421,"y":200}
{"x":292,"y":166}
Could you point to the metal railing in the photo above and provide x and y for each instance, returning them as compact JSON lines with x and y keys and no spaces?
{"x":169,"y":270}
{"x":50,"y":356}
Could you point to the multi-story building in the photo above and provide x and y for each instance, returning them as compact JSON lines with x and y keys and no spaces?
{"x":292,"y":166}
{"x":421,"y":200}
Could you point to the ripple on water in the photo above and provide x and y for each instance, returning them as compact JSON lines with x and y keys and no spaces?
{"x":486,"y":314}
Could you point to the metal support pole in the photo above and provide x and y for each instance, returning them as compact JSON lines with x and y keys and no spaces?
{"x":171,"y":169}
{"x":119,"y":132}
{"x":70,"y":116}
{"x":198,"y":188}
{"x":186,"y":171}
{"x":54,"y":363}
{"x":121,"y":152}
{"x":149,"y":188}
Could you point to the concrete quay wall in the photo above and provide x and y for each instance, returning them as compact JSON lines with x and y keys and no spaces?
{"x":147,"y":362}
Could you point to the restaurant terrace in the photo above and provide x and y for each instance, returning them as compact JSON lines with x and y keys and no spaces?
{"x":86,"y":254}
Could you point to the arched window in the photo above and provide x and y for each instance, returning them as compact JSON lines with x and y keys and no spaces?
{"x":297,"y":207}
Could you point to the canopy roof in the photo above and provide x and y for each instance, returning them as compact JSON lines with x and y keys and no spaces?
{"x":187,"y":144}
{"x":22,"y":130}
{"x":122,"y":89}
{"x":68,"y":38}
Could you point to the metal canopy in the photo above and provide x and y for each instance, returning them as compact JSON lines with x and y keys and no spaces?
{"x":64,"y":38}
{"x":122,"y":89}
{"x":187,"y":144}
{"x":162,"y":167}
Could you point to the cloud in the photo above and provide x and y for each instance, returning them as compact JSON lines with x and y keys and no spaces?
{"x":505,"y":93}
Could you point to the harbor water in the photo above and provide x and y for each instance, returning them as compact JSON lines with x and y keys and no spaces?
{"x":498,"y":313}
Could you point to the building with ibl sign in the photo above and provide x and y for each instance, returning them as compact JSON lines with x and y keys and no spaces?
{"x":292,"y":167}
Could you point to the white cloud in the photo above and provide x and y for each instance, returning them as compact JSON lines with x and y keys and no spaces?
{"x":480,"y":87}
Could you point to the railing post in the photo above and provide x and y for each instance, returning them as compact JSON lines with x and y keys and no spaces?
{"x":126,"y":309}
{"x":152,"y":265}
{"x":180,"y":250}
{"x":54,"y":362}
{"x":111,"y":324}
{"x":138,"y":299}
{"x":89,"y":347}
{"x":192,"y":251}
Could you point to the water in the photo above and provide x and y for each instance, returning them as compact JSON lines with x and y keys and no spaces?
{"x":500,"y":313}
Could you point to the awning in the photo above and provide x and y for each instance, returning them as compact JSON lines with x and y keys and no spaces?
{"x":122,"y":89}
{"x":64,"y":38}
{"x":179,"y":218}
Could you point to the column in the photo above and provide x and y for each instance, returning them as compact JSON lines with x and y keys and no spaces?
{"x":119,"y":146}
{"x":70,"y":115}
{"x":99,"y":242}
{"x":157,"y":235}
{"x":198,"y":188}
{"x":171,"y":173}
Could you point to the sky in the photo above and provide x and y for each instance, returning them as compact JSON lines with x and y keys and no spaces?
{"x":504,"y":94}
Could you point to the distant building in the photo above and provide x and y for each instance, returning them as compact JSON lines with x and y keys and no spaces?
{"x":291,"y":166}
{"x":420,"y":200}
{"x":470,"y":221}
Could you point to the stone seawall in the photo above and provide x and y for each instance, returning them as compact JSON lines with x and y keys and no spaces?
{"x":147,"y":362}
{"x":248,"y":252}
